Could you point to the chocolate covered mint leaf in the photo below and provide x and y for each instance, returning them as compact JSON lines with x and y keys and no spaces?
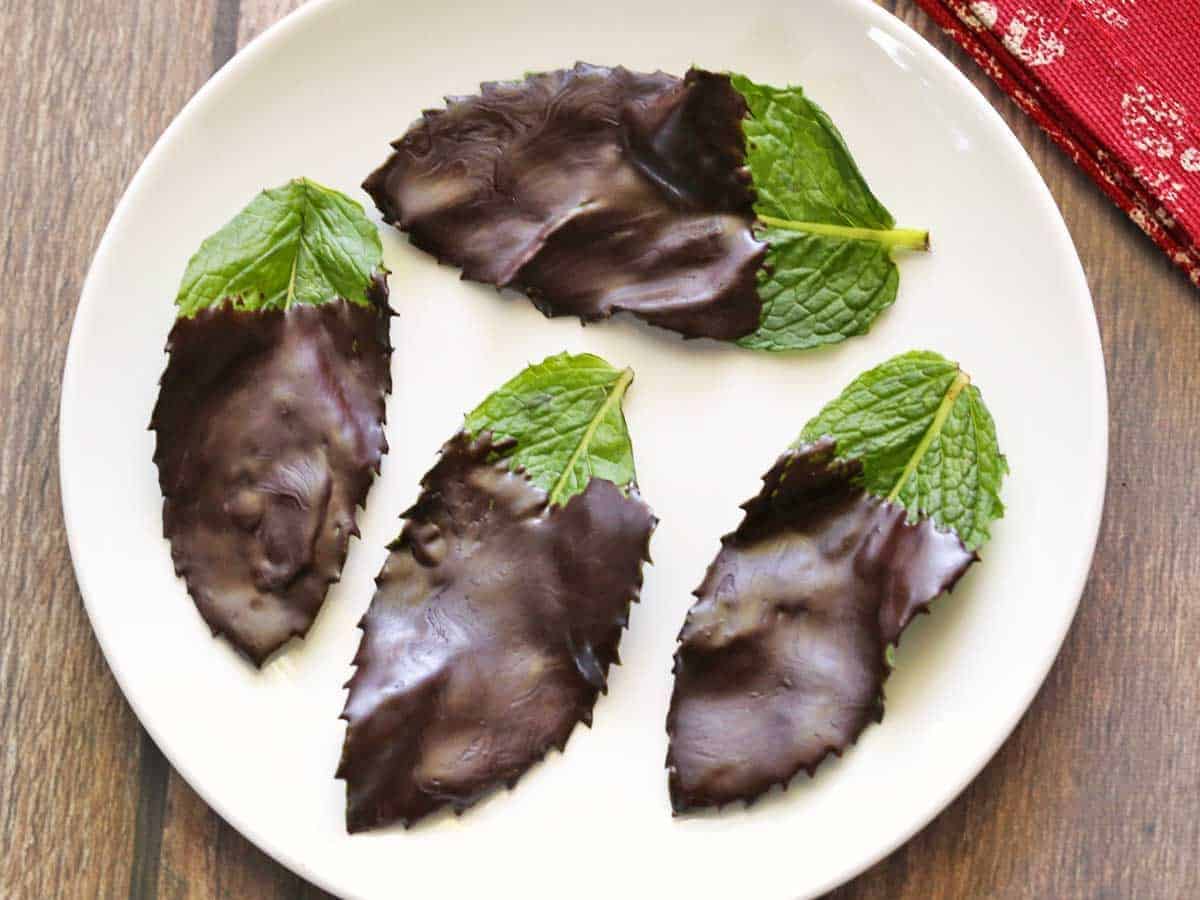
{"x":709,"y":204}
{"x":270,"y":414}
{"x":875,"y":511}
{"x":498,"y":611}
{"x":925,"y":440}
{"x":565,"y":417}
{"x":294,"y":244}
{"x":829,"y":270}
{"x":782,"y":658}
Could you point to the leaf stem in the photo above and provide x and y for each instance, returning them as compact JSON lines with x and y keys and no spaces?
{"x":907,"y":238}
{"x":961,"y":380}
{"x":291,"y":288}
{"x":614,"y":398}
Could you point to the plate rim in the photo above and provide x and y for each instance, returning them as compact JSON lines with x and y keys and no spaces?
{"x":871,"y":15}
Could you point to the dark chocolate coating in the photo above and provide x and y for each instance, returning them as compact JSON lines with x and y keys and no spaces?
{"x":490,"y":635}
{"x":592,"y":190}
{"x":782,"y":658}
{"x":270,"y":428}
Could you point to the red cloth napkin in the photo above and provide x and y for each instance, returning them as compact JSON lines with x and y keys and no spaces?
{"x":1116,"y":84}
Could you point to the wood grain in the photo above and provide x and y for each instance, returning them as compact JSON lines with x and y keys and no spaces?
{"x":1097,"y":793}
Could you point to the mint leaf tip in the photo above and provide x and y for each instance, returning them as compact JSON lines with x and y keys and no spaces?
{"x":299,"y":243}
{"x":564,"y":420}
{"x":925,"y":440}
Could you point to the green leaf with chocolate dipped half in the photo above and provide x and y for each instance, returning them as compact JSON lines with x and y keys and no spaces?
{"x":270,"y":413}
{"x":708,"y":205}
{"x":500,"y":607}
{"x":877,"y":510}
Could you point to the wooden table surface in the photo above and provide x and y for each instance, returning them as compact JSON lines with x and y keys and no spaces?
{"x":1097,"y":793}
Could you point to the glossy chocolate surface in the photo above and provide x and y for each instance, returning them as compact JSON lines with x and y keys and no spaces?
{"x":592,"y":190}
{"x":269,"y":430}
{"x":782,"y":658}
{"x":490,"y":636}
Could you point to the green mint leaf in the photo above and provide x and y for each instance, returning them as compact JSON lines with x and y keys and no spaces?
{"x":925,"y":440}
{"x":819,"y":290}
{"x":829,"y":270}
{"x":297,"y":243}
{"x":565,"y":416}
{"x":801,"y":166}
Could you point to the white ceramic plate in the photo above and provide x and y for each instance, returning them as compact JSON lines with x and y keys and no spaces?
{"x":321,"y":95}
